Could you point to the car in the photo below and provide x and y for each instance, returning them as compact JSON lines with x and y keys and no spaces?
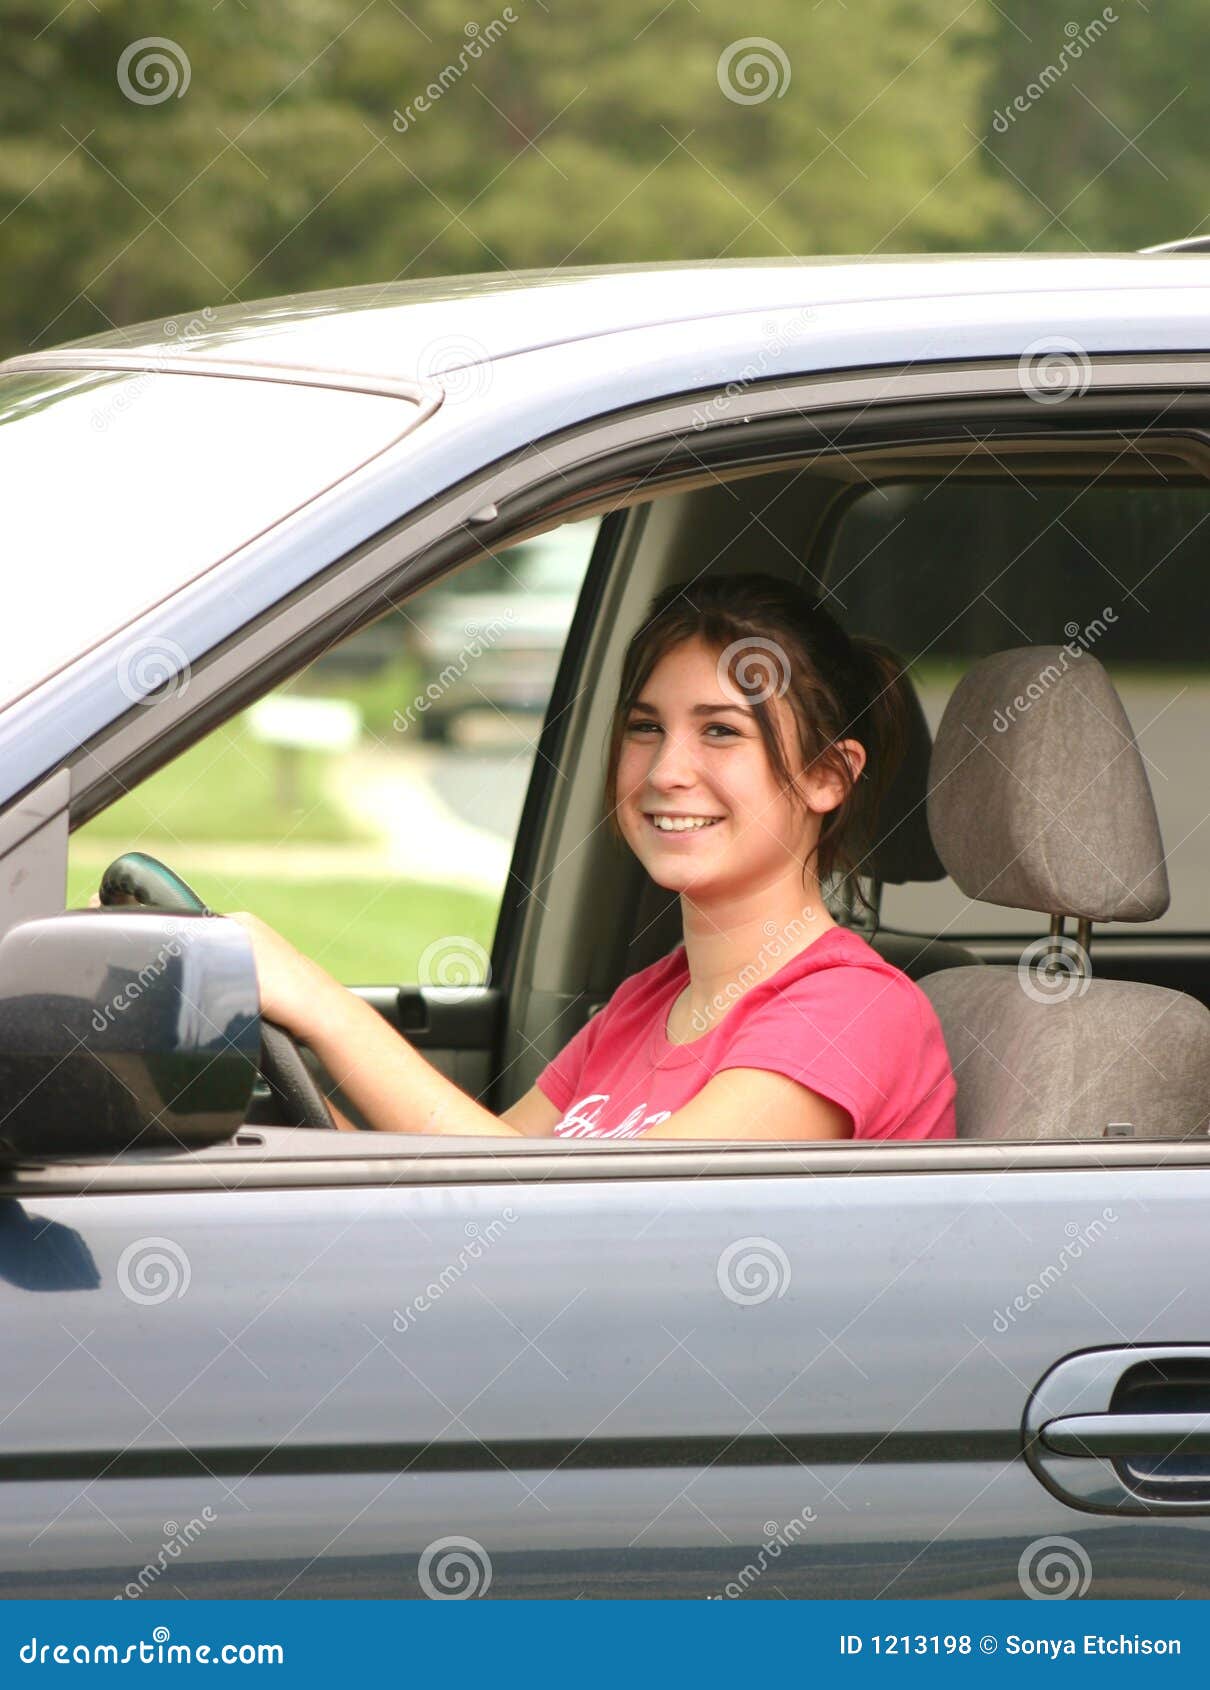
{"x":516,"y":630}
{"x":249,"y":1356}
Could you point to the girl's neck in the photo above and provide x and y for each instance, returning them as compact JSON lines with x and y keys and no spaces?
{"x":748,"y":938}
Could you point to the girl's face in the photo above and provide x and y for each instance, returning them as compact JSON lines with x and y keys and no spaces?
{"x":698,"y":802}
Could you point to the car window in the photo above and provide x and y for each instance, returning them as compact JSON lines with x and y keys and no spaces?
{"x":136,"y":512}
{"x":368,"y":808}
{"x":950,"y":572}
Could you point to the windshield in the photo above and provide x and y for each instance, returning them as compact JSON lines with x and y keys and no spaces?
{"x":117,"y":489}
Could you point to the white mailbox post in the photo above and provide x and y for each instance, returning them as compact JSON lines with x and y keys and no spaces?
{"x":294,"y":724}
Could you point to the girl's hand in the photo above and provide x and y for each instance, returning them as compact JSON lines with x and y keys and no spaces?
{"x":293,"y":989}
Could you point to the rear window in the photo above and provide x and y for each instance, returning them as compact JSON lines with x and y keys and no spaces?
{"x":949,"y":572}
{"x":116,"y":490}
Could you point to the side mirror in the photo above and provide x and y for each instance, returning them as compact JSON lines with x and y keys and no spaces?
{"x":123,"y":1029}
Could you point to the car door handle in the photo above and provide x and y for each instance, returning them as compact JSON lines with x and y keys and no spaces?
{"x":1124,"y":1429}
{"x":1120,"y":1435}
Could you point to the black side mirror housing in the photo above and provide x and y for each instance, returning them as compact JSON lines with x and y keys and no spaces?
{"x":123,"y":1029}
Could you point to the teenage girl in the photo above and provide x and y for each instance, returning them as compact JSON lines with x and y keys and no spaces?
{"x":751,"y":745}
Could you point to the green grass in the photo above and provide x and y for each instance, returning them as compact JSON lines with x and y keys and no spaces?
{"x":366,"y":933}
{"x":226,"y":787}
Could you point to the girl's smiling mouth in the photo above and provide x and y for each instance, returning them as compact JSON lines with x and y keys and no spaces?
{"x":671,"y":821}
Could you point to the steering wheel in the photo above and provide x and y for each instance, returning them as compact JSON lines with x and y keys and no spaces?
{"x":139,"y":879}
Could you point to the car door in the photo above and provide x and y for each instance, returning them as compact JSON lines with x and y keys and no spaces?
{"x":767,"y":1372}
{"x":434,"y":1370}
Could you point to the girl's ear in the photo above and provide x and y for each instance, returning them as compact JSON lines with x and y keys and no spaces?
{"x":823,"y":784}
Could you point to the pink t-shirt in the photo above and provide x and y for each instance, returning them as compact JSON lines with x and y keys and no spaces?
{"x":837,"y":1017}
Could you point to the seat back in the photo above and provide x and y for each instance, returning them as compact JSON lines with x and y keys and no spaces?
{"x":1039,"y":800}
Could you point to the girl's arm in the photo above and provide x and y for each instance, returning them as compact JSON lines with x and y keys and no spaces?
{"x":384,"y":1076}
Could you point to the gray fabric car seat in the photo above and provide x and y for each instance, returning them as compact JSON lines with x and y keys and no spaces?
{"x":1039,"y":801}
{"x":904,"y":853}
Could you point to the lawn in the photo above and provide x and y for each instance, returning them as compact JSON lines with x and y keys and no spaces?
{"x":366,"y":933}
{"x":228,"y":786}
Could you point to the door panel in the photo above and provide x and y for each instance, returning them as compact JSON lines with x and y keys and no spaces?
{"x":616,"y":1387}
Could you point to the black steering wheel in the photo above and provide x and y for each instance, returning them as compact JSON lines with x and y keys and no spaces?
{"x":139,"y":879}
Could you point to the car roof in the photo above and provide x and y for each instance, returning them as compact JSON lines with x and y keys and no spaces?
{"x":409,"y":331}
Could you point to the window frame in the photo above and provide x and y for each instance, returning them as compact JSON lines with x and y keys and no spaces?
{"x":606,"y":465}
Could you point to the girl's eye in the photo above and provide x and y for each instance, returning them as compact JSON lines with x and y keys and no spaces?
{"x":722,"y":727}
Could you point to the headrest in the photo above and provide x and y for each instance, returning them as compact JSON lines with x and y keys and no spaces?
{"x":1038,"y":799}
{"x":903,"y":849}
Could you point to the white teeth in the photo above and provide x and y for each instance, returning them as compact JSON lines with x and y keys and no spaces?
{"x":678,"y":824}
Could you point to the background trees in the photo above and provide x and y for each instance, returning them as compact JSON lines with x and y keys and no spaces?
{"x":561,"y":133}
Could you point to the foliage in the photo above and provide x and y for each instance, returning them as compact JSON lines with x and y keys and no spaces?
{"x":591,"y":133}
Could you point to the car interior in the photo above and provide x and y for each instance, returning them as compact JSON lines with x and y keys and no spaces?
{"x":1003,"y":566}
{"x":954,"y":553}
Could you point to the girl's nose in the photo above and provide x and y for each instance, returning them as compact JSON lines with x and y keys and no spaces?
{"x":674,"y":763}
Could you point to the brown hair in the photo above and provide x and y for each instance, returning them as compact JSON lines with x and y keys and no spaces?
{"x":780,"y":640}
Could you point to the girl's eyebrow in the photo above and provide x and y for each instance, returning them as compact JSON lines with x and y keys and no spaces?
{"x":697,"y":710}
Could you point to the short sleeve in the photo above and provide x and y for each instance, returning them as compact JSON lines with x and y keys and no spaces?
{"x":559,"y":1080}
{"x":852,"y":1034}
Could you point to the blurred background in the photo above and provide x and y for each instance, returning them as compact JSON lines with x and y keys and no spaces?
{"x":160,"y":159}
